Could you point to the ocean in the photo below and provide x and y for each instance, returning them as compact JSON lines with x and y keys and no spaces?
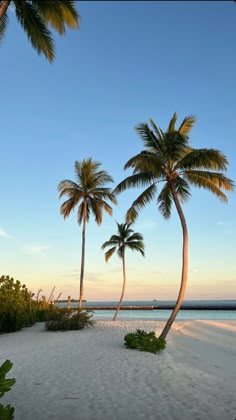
{"x":226,"y":310}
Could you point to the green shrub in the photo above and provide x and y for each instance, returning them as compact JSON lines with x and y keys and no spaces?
{"x":15,"y":305}
{"x":63,"y":319}
{"x":143,"y":341}
{"x":7,"y":411}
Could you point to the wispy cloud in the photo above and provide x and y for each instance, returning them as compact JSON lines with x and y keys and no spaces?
{"x":36,"y":249}
{"x":4,"y":234}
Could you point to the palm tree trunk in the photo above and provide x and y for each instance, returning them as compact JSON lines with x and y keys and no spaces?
{"x":81,"y":292}
{"x":184,"y":265}
{"x":123,"y":288}
{"x":3,"y":7}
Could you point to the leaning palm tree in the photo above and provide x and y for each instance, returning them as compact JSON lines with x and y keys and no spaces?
{"x":168,"y":157}
{"x":36,"y":16}
{"x":125,"y":238}
{"x":90,"y":195}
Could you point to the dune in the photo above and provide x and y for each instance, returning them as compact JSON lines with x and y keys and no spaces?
{"x":90,"y":375}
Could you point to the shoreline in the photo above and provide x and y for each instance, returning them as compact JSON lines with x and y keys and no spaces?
{"x":89,"y":374}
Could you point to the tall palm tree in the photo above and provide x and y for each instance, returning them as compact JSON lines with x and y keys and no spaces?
{"x":125,"y":238}
{"x":90,"y":195}
{"x":168,"y":157}
{"x":36,"y":16}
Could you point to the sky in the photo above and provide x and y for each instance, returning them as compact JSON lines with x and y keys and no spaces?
{"x":129,"y":61}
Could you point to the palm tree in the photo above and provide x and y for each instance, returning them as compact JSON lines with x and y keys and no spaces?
{"x":90,"y":195}
{"x":125,"y":238}
{"x":36,"y":16}
{"x":169,"y":158}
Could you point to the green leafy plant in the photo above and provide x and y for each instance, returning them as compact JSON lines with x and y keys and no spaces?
{"x":63,"y":319}
{"x":143,"y":341}
{"x":7,"y":411}
{"x":16,"y":309}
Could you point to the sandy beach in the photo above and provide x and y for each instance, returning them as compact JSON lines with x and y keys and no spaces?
{"x":90,"y":375}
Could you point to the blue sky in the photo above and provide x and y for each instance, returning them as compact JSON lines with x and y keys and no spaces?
{"x":128,"y":62}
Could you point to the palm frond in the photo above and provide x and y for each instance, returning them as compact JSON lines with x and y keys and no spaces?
{"x":67,"y":207}
{"x":3,"y":26}
{"x":150,"y":140}
{"x":186,"y":125}
{"x":109,"y":253}
{"x":164,"y":201}
{"x":69,"y":13}
{"x":171,"y":128}
{"x":136,"y":246}
{"x":33,"y":24}
{"x":136,"y":236}
{"x":96,"y":207}
{"x":182,"y":189}
{"x":82,"y":212}
{"x":203,"y":159}
{"x":140,"y":202}
{"x":147,"y":161}
{"x":136,"y":180}
{"x":212,"y":182}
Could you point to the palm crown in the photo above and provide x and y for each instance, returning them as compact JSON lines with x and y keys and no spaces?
{"x":88,"y":192}
{"x":36,"y":16}
{"x":125,"y":238}
{"x":168,"y":157}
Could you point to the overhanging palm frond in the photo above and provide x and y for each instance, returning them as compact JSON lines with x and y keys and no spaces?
{"x":69,"y":13}
{"x":140,"y":202}
{"x":203,"y":159}
{"x":186,"y":125}
{"x":3,"y":26}
{"x":35,"y":28}
{"x":52,"y":14}
{"x":59,"y":13}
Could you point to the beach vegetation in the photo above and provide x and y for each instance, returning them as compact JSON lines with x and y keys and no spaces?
{"x":144,"y":341}
{"x":125,"y":238}
{"x":62,"y":319}
{"x":16,"y":309}
{"x":7,"y":411}
{"x":37,"y":18}
{"x":168,"y":158}
{"x":90,"y":194}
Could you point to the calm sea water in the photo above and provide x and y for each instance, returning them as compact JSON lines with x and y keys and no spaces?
{"x":163,"y":314}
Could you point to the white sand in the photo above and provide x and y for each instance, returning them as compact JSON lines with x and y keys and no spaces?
{"x":90,"y":375}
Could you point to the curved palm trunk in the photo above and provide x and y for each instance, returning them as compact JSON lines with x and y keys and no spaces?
{"x":3,"y":7}
{"x":81,"y":292}
{"x":123,"y":289}
{"x":184,"y":266}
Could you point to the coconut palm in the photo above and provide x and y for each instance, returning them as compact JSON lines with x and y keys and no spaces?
{"x":168,"y":157}
{"x":36,"y":16}
{"x":125,"y":238}
{"x":90,"y":195}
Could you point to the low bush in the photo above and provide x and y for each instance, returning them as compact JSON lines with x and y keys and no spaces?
{"x":15,"y":305}
{"x":7,"y":411}
{"x":143,"y":341}
{"x":63,"y":319}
